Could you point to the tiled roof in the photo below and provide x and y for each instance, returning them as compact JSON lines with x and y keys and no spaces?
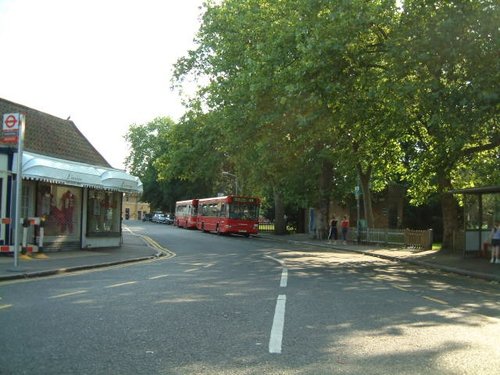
{"x":52,"y":136}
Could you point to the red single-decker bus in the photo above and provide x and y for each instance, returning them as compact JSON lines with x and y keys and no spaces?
{"x":186,"y":213}
{"x":229,"y":214}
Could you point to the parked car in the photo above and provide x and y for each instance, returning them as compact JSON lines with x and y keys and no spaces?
{"x":159,"y":218}
{"x":147,"y":217}
{"x":169,"y":219}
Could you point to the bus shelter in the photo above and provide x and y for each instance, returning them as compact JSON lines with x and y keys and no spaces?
{"x":481,"y":211}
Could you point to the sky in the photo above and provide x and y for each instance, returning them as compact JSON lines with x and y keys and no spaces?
{"x":106,"y":64}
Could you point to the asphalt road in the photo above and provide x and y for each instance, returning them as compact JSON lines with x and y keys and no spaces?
{"x":232,"y":305}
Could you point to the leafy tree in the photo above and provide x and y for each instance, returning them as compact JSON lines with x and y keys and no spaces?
{"x":303,"y":96}
{"x":446,"y":63}
{"x":195,"y":155}
{"x":234,"y":41}
{"x":148,"y":142}
{"x":279,"y":73}
{"x":344,"y":60}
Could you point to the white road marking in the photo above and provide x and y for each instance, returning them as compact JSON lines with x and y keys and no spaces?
{"x":121,"y":284}
{"x":5,"y":306}
{"x":435,"y":300}
{"x":69,"y":294}
{"x":278,"y":324}
{"x":276,"y":260}
{"x":157,"y":277}
{"x":400,"y":288}
{"x":284,"y":278}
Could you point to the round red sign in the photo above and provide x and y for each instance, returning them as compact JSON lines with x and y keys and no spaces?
{"x":10,"y":121}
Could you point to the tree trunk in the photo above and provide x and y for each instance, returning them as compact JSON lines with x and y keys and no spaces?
{"x":364,"y":178}
{"x":323,"y":204}
{"x":279,"y":209}
{"x":449,"y":209}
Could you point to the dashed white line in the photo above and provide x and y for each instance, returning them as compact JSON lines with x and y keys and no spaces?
{"x":121,"y":284}
{"x":435,"y":300}
{"x":68,"y":294}
{"x":157,"y":277}
{"x":278,"y":324}
{"x":284,"y":278}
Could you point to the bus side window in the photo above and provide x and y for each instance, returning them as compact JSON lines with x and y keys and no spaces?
{"x":233,"y":212}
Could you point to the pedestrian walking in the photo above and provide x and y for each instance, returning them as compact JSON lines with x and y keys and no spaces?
{"x":344,"y":225}
{"x":333,"y":232}
{"x":495,"y":244}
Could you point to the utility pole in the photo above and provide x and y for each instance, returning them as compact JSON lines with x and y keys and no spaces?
{"x":357,"y":193}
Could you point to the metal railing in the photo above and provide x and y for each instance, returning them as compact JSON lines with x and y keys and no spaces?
{"x":416,"y":239}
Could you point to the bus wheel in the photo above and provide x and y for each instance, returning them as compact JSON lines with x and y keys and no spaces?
{"x":247,"y":235}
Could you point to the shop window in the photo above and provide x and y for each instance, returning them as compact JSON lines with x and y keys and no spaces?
{"x":60,"y":206}
{"x":103,"y":213}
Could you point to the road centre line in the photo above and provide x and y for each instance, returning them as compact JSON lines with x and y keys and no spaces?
{"x":435,"y":300}
{"x":276,"y":337}
{"x":157,"y":277}
{"x":284,"y":277}
{"x":5,"y":306}
{"x":68,"y":294}
{"x":121,"y":284}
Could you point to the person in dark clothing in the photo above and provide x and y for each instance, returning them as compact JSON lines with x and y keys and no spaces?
{"x":333,"y":232}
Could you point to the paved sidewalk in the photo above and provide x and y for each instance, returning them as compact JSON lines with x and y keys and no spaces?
{"x":456,"y":263}
{"x":137,"y":248}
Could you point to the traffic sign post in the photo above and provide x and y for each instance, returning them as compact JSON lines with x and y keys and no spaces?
{"x":13,"y":132}
{"x":11,"y":124}
{"x":357,"y":193}
{"x":19,"y":184}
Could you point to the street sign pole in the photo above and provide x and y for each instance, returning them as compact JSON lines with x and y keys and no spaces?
{"x":19,"y":180}
{"x":358,"y":234}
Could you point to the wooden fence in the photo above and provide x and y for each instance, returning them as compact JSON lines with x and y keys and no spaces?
{"x":269,"y":227}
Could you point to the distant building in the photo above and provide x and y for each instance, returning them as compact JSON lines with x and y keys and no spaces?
{"x":66,"y":181}
{"x":133,"y":208}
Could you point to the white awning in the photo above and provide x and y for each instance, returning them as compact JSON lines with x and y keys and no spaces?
{"x":115,"y":179}
{"x":44,"y":168}
{"x":65,"y":172}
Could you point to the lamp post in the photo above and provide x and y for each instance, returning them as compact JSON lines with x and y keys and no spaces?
{"x":357,"y":193}
{"x":224,"y":173}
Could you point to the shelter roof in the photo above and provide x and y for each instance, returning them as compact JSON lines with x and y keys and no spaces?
{"x":478,"y":190}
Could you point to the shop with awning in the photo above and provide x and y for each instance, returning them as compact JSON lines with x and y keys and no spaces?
{"x":80,"y":204}
{"x":68,"y":188}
